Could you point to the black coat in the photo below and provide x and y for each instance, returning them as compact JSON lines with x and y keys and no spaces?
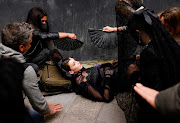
{"x":168,"y":103}
{"x":151,"y":70}
{"x":39,"y":42}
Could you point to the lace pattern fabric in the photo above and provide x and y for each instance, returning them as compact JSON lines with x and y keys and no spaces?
{"x":91,"y":84}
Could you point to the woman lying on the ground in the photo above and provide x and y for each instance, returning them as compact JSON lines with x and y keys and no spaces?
{"x":93,"y":83}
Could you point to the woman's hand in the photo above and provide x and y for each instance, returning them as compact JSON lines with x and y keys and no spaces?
{"x":67,"y":35}
{"x":72,"y":36}
{"x":112,"y":29}
{"x":109,"y":29}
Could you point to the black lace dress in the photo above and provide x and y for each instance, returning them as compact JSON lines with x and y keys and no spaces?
{"x":94,"y":84}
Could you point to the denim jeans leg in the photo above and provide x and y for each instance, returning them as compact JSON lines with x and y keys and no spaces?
{"x":39,"y":118}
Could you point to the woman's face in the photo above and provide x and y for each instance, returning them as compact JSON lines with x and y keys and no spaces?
{"x":44,"y":20}
{"x":75,"y":66}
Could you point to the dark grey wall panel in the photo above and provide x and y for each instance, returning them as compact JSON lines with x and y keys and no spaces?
{"x":68,"y":16}
{"x":75,"y":16}
{"x":160,"y":5}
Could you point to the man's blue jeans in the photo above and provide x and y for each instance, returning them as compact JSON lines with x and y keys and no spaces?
{"x":39,"y":118}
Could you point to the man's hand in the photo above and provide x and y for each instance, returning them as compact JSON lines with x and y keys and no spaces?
{"x":55,"y":108}
{"x":146,"y":93}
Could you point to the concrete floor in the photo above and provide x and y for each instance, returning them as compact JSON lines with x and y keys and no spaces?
{"x":78,"y":109}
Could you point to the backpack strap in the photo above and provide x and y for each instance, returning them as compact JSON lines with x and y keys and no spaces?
{"x":35,"y":67}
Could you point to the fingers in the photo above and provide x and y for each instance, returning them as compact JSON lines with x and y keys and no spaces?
{"x":57,"y":110}
{"x":108,"y":29}
{"x":56,"y":104}
{"x":145,"y":89}
{"x":57,"y":107}
{"x":120,"y":28}
{"x":73,"y":36}
{"x":146,"y":93}
{"x":138,"y":88}
{"x":105,"y":29}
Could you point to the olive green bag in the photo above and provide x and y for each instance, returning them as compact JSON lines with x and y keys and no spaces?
{"x":52,"y":79}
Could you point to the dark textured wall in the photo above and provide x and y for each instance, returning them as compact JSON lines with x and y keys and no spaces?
{"x":160,"y":5}
{"x":75,"y":16}
{"x":68,"y":16}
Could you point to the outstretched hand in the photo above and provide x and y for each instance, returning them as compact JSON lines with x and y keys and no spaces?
{"x":146,"y":93}
{"x":67,"y":35}
{"x":112,"y":29}
{"x":109,"y":29}
{"x":55,"y":108}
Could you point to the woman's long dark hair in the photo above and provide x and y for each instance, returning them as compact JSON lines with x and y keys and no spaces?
{"x":34,"y":17}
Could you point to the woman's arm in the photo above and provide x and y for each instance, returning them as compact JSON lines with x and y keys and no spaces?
{"x":52,"y":35}
{"x":67,"y":35}
{"x":112,"y":29}
{"x":86,"y":89}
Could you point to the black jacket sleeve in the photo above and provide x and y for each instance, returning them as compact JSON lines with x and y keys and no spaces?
{"x":45,"y":36}
{"x":168,"y":102}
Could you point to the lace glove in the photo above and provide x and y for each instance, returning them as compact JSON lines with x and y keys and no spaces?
{"x":109,"y":73}
{"x":114,"y":64}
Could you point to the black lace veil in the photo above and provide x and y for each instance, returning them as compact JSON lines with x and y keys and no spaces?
{"x":137,"y":17}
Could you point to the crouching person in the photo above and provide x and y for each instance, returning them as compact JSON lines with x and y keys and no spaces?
{"x":92,"y":83}
{"x":16,"y":41}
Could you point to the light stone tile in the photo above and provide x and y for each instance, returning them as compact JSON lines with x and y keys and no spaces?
{"x":111,"y":113}
{"x":66,"y":100}
{"x":74,"y":119}
{"x":114,"y":102}
{"x":99,"y":121}
{"x":85,"y":108}
{"x":55,"y":118}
